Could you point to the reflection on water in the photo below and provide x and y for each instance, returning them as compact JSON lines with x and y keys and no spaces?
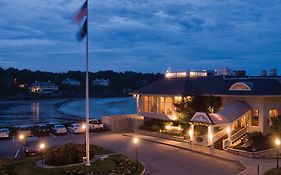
{"x":35,"y":109}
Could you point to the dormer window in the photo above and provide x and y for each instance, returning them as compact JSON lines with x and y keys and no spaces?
{"x":240,"y":86}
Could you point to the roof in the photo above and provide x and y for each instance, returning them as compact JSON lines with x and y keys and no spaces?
{"x":231,"y":112}
{"x":213,"y":85}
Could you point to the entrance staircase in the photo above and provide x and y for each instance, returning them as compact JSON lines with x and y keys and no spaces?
{"x":235,"y":138}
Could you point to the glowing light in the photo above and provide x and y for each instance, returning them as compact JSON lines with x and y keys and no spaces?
{"x":228,"y":130}
{"x":83,"y":126}
{"x":277,"y":141}
{"x":21,"y":136}
{"x":135,"y":140}
{"x":168,"y":127}
{"x":42,"y":146}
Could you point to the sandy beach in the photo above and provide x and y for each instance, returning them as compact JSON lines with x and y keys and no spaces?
{"x":29,"y":112}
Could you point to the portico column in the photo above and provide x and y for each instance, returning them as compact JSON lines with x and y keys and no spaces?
{"x":138,"y":105}
{"x":229,"y":133}
{"x":165,"y":105}
{"x":191,"y":132}
{"x":210,"y":135}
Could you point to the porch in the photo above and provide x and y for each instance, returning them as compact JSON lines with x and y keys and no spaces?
{"x":232,"y":120}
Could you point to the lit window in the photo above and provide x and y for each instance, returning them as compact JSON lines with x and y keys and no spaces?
{"x":240,"y":86}
{"x":169,"y":105}
{"x":272,"y":113}
{"x":151,"y":104}
{"x":145,"y":104}
{"x":161,"y":105}
{"x":255,"y":118}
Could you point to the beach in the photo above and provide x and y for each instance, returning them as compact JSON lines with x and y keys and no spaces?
{"x":30,"y":112}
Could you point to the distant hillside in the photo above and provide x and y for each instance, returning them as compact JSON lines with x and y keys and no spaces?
{"x":120,"y":83}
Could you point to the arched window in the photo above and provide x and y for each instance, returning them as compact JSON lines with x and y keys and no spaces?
{"x":239,"y":86}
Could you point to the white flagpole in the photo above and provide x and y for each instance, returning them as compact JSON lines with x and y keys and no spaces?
{"x":87,"y":94}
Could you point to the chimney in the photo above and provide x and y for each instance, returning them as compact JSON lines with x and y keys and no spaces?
{"x":263,"y":73}
{"x":273,"y":72}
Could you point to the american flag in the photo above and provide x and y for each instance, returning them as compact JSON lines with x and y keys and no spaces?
{"x":82,"y":13}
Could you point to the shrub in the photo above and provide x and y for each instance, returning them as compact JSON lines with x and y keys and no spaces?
{"x":155,"y":128}
{"x":256,"y":136}
{"x":66,"y":154}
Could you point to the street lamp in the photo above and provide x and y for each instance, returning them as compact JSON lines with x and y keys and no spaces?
{"x":277,"y":143}
{"x":42,"y":146}
{"x":136,"y":141}
{"x":83,"y":126}
{"x":21,"y":138}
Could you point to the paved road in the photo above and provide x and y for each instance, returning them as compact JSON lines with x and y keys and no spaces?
{"x":159,"y":159}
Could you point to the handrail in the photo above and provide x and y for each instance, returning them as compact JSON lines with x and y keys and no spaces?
{"x":234,"y":137}
{"x":239,"y":134}
{"x":219,"y":135}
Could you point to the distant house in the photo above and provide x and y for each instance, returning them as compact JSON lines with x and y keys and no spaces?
{"x":43,"y":88}
{"x":101,"y":82}
{"x":71,"y":82}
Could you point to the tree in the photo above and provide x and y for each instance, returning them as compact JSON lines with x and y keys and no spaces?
{"x":189,"y":105}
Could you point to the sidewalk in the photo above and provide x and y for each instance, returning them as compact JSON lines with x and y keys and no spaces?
{"x":250,"y":164}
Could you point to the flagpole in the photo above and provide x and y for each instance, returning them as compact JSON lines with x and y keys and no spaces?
{"x":87,"y":95}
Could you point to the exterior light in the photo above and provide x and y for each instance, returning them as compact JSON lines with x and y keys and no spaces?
{"x":135,"y":140}
{"x":83,"y":126}
{"x":228,"y":130}
{"x":135,"y":95}
{"x":168,"y":127}
{"x":277,"y":141}
{"x":42,"y":146}
{"x":190,"y":133}
{"x":21,"y":136}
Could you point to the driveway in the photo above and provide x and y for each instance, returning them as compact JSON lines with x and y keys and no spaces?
{"x":159,"y":159}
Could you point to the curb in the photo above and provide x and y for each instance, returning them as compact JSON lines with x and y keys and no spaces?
{"x":175,"y":146}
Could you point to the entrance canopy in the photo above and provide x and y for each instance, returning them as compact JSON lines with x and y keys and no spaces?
{"x":229,"y":113}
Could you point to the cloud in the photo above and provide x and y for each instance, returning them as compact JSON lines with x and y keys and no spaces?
{"x":142,"y":35}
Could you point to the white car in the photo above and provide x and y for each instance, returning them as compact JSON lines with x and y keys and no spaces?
{"x":76,"y":128}
{"x":4,"y":133}
{"x":95,"y":125}
{"x":58,"y":129}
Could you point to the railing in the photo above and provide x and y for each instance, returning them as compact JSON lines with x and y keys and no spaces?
{"x":234,"y":137}
{"x":219,"y":135}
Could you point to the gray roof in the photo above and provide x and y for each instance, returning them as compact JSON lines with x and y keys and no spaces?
{"x":231,"y":112}
{"x":212,"y":85}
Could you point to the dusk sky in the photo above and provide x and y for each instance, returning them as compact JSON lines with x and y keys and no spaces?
{"x":142,"y":35}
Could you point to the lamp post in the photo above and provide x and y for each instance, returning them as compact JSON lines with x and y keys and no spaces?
{"x":21,"y":138}
{"x":277,"y":143}
{"x":42,"y":146}
{"x":136,"y":141}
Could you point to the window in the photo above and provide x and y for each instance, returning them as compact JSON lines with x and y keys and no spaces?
{"x":272,"y":113}
{"x":239,"y":86}
{"x":169,"y":105}
{"x":151,"y":104}
{"x":255,"y":118}
{"x":161,"y":105}
{"x":145,"y":104}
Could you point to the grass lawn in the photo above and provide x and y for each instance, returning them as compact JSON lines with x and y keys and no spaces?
{"x":115,"y":163}
{"x":274,"y":171}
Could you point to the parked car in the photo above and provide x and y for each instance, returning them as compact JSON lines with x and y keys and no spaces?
{"x":96,"y":125}
{"x":25,"y":130}
{"x":4,"y":133}
{"x":40,"y":130}
{"x":58,"y":129}
{"x":76,"y":128}
{"x":30,"y":147}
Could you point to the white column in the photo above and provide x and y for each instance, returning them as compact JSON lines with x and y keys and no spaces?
{"x":229,"y":133}
{"x":191,"y":132}
{"x":148,"y":101}
{"x":210,"y":135}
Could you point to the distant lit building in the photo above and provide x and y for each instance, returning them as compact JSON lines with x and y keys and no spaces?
{"x":101,"y":82}
{"x":71,"y":82}
{"x":43,"y":88}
